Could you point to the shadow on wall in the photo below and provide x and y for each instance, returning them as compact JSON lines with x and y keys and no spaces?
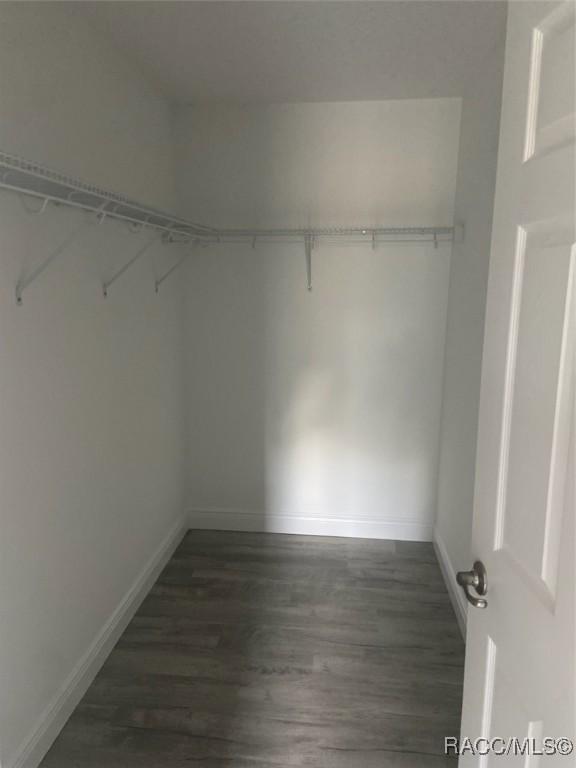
{"x":352,"y":409}
{"x":316,"y":410}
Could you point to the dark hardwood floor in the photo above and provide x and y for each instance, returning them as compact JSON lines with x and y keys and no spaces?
{"x":270,"y":651}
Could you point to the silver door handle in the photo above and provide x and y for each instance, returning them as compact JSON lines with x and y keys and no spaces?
{"x":476,"y":578}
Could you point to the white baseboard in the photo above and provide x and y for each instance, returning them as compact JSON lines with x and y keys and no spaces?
{"x":74,"y":687}
{"x":239,"y":520}
{"x":448,"y":572}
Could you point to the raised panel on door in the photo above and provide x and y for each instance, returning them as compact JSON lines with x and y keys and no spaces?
{"x":540,"y":370}
{"x":550,"y":119}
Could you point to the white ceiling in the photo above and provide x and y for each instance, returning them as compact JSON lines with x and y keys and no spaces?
{"x":266,"y":52}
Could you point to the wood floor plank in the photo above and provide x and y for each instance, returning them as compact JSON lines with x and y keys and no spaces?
{"x":271,"y":651}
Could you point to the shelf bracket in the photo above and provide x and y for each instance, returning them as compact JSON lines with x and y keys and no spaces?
{"x":35,"y":211}
{"x":133,"y":260}
{"x":167,"y":274}
{"x":23,"y":284}
{"x":308,"y":246}
{"x":174,"y":267}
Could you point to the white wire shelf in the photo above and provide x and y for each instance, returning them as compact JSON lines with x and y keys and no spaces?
{"x":28,"y":178}
{"x":32,"y":179}
{"x":339,"y":235}
{"x":336,"y":232}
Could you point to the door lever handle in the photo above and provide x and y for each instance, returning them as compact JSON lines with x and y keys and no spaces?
{"x":475,"y":579}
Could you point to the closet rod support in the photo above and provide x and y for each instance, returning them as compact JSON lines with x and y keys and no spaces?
{"x":141,"y":251}
{"x":308,"y":245}
{"x":25,"y":282}
{"x":167,"y":274}
{"x":35,"y":211}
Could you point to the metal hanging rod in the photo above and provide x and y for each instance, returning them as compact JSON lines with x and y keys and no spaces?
{"x":360,"y":234}
{"x":34,"y":180}
{"x":335,"y":231}
{"x":374,"y":236}
{"x":19,"y":175}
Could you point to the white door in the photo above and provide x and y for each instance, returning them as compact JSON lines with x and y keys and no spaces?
{"x":520,"y":672}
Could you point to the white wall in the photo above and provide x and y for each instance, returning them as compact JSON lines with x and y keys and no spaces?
{"x":318,"y":412}
{"x":70,"y":101}
{"x":467,"y":299}
{"x":329,"y":164}
{"x":90,"y":389}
